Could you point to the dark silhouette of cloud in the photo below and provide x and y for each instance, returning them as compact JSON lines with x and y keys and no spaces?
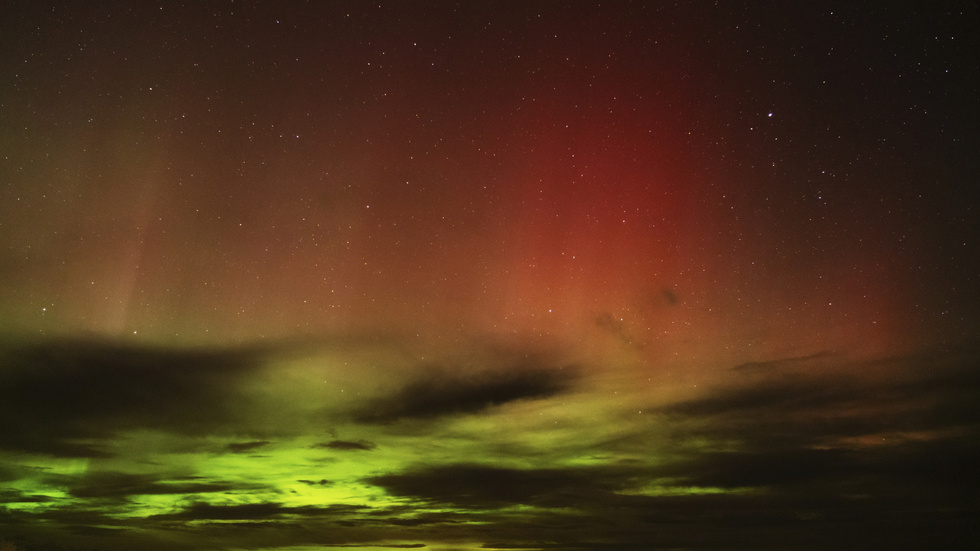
{"x":258,"y":511}
{"x":16,"y":496}
{"x":245,"y":447}
{"x":781,"y":363}
{"x":347,"y":445}
{"x":249,"y":511}
{"x":485,"y":487}
{"x":54,"y":394}
{"x":321,"y":482}
{"x":439,"y":392}
{"x":912,"y":436}
{"x":120,"y":485}
{"x":614,"y":326}
{"x":768,"y":468}
{"x":923,"y":393}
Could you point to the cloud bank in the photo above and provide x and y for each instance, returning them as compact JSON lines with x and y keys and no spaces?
{"x":507,"y":455}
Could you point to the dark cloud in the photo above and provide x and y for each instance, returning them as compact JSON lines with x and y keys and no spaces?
{"x":439,"y":392}
{"x":347,"y":445}
{"x":604,"y":508}
{"x":15,"y":496}
{"x":905,"y":436}
{"x":56,"y":395}
{"x":119,"y":485}
{"x":769,"y":396}
{"x":245,"y":447}
{"x":321,"y":482}
{"x":614,"y":326}
{"x":206,"y":511}
{"x":781,"y":363}
{"x":774,"y":468}
{"x":790,"y":406}
{"x":258,"y":511}
{"x":484,"y":487}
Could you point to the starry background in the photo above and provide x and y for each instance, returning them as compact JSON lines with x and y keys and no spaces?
{"x":516,"y":275}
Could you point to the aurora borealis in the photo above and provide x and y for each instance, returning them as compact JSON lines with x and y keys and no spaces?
{"x":312,"y":275}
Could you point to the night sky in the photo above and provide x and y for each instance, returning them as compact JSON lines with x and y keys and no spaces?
{"x":489,"y":275}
